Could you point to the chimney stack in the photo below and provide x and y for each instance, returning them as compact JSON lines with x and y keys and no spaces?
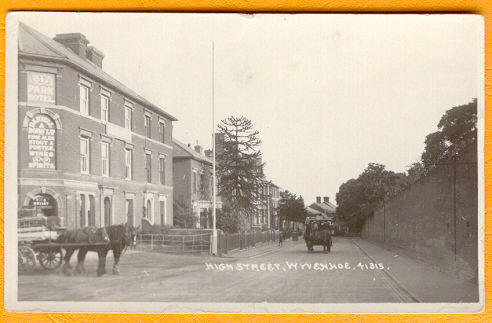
{"x":326,"y":199}
{"x":77,"y":43}
{"x":198,"y":148}
{"x":208,"y":153}
{"x":74,"y":41}
{"x":318,"y":199}
{"x":95,"y":56}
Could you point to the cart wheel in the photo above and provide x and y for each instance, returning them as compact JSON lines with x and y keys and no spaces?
{"x":26,"y":259}
{"x":50,"y":259}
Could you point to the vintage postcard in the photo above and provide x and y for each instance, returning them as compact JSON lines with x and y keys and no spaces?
{"x":231,"y":163}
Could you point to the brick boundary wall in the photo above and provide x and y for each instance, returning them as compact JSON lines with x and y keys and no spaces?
{"x":435,"y":220}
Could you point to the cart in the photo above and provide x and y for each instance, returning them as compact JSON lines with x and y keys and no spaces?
{"x":318,"y":232}
{"x":37,"y":243}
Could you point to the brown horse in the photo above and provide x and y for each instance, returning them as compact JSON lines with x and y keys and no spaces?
{"x":120,"y":237}
{"x":77,"y":237}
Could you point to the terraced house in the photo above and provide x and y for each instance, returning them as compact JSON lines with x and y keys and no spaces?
{"x":91,"y":150}
{"x":192,"y":177}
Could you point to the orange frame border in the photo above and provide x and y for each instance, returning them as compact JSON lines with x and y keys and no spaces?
{"x":251,"y":6}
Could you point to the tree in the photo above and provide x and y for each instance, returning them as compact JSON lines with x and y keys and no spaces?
{"x":240,"y":169}
{"x":291,"y":208}
{"x":415,"y":172}
{"x":227,"y":221}
{"x":457,"y":129}
{"x":357,"y":198}
{"x":183,"y":214}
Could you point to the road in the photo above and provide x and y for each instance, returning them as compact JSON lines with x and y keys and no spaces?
{"x":277,"y":274}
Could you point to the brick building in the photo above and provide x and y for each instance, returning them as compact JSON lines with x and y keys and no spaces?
{"x":267,"y":213}
{"x":91,"y":150}
{"x":192,"y":180}
{"x":274,"y":195}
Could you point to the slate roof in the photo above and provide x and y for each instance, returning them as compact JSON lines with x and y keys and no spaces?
{"x":181,"y":150}
{"x":325,"y":207}
{"x":310,"y":210}
{"x":33,"y":43}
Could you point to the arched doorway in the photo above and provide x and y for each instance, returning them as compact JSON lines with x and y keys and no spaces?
{"x":45,"y":205}
{"x":107,"y":211}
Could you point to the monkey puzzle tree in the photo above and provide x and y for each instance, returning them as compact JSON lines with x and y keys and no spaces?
{"x":239,"y":168}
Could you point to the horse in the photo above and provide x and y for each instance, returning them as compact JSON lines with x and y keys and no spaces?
{"x":88,"y":235}
{"x":120,"y":237}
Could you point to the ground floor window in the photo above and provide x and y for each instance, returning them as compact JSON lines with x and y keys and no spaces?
{"x":129,"y":212}
{"x":162,"y":211}
{"x":148,"y":210}
{"x":107,"y":211}
{"x":204,"y":218}
{"x":92,"y":211}
{"x":87,"y":211}
{"x":82,"y":211}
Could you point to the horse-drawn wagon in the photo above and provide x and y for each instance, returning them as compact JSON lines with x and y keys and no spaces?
{"x":38,"y":242}
{"x":318,"y":232}
{"x":33,"y":234}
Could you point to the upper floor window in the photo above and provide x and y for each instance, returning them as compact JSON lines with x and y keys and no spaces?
{"x":104,"y":107}
{"x":194,"y":183}
{"x":128,"y":116}
{"x":148,"y":167}
{"x":84,"y":99}
{"x":105,"y":158}
{"x":202,"y":183}
{"x":128,"y":163}
{"x":162,"y":170}
{"x":147,"y":121}
{"x":84,"y":155}
{"x":162,"y":131}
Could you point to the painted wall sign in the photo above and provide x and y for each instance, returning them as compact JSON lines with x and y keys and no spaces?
{"x":40,"y":200}
{"x":41,"y":135}
{"x":40,"y":88}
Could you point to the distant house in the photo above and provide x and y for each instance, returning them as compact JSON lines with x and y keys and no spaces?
{"x":325,"y":207}
{"x":192,"y":177}
{"x":274,"y":193}
{"x":267,"y":213}
{"x":312,"y":211}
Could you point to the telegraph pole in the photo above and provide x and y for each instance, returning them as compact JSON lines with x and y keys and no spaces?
{"x":214,"y":227}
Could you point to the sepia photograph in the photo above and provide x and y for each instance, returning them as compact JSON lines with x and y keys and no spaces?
{"x":244,"y":163}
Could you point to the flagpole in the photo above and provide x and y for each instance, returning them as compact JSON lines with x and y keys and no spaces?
{"x":214,"y":230}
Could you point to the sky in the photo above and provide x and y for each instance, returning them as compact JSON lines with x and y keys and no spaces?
{"x":328,"y":93}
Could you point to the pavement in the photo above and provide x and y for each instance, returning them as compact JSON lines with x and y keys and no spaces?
{"x":421,"y":280}
{"x":258,"y":250}
{"x":354,"y":271}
